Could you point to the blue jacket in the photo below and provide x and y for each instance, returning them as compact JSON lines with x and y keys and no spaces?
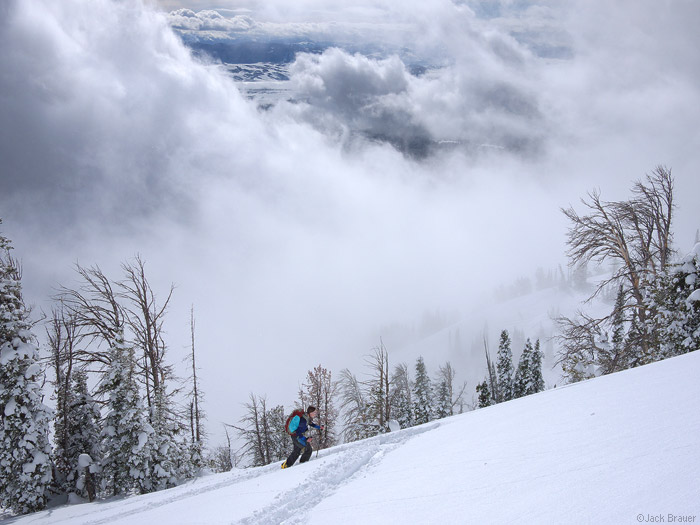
{"x":299,"y":425}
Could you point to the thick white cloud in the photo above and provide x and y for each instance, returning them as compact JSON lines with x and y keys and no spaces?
{"x":209,"y":20}
{"x":290,"y":244}
{"x":480,"y":100}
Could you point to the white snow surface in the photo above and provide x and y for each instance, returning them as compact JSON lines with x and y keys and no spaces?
{"x":84,"y":460}
{"x":10,"y":407}
{"x":621,"y":448}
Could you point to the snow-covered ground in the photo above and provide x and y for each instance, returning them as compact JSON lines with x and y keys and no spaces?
{"x":623,"y":448}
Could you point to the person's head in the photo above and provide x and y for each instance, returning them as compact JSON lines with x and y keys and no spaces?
{"x":311,"y":411}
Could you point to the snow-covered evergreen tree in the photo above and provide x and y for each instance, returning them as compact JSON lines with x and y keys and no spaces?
{"x":25,"y":470}
{"x":193,"y":459}
{"x":616,"y":359}
{"x":83,"y":437}
{"x":484,"y":394}
{"x":401,"y":406}
{"x":64,"y":464}
{"x":675,"y":299}
{"x":536,"y":379}
{"x":443,"y":400}
{"x":62,"y":332}
{"x":422,"y":394}
{"x":127,"y":434}
{"x":165,"y":451}
{"x":504,"y":368}
{"x":523,"y":379}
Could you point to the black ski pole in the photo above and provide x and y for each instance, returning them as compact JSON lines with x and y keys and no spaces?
{"x":319,"y":442}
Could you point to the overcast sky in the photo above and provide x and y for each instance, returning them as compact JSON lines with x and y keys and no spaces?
{"x":294,"y":240}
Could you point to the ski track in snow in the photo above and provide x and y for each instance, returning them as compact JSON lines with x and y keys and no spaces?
{"x":341,"y":464}
{"x":179,"y":495}
{"x":352,"y":461}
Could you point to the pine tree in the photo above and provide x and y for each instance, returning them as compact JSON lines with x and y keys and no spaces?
{"x":65,"y":465}
{"x":24,"y":420}
{"x":617,"y":360}
{"x":675,"y":299}
{"x":523,"y":379}
{"x":127,"y":435}
{"x":443,"y":400}
{"x":63,"y":334}
{"x":536,"y":379}
{"x":505,"y":368}
{"x":166,"y":454}
{"x":83,"y":438}
{"x":484,"y":394}
{"x":422,"y":394}
{"x":634,"y":349}
{"x":401,"y":406}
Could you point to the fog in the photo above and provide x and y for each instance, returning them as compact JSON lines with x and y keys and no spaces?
{"x":298,"y":232}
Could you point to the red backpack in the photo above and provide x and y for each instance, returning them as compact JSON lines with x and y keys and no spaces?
{"x":299,"y":413}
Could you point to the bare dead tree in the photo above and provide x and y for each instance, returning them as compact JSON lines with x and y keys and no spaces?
{"x":62,"y":334}
{"x":319,"y":390}
{"x":145,"y":318}
{"x":94,"y":307}
{"x":493,"y":378}
{"x":196,"y":412}
{"x":378,"y":386}
{"x":256,"y":431}
{"x":353,"y":406}
{"x":579,"y":348}
{"x":636,"y":234}
{"x":222,"y":458}
{"x":447,"y":375}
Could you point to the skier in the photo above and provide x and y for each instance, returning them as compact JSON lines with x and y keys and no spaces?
{"x":298,"y":425}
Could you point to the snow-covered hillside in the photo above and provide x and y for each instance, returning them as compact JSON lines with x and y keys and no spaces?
{"x":622,"y":448}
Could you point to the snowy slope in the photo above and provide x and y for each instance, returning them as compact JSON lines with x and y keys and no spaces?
{"x":603,"y":451}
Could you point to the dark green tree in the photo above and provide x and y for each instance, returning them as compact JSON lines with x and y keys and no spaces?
{"x":675,"y":299}
{"x":523,"y":378}
{"x":422,"y":394}
{"x":83,"y":438}
{"x":536,"y":379}
{"x":504,"y":368}
{"x":484,"y":394}
{"x":127,"y":435}
{"x":401,"y":405}
{"x":25,"y":470}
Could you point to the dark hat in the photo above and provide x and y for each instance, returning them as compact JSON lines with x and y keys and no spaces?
{"x":310,"y":409}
